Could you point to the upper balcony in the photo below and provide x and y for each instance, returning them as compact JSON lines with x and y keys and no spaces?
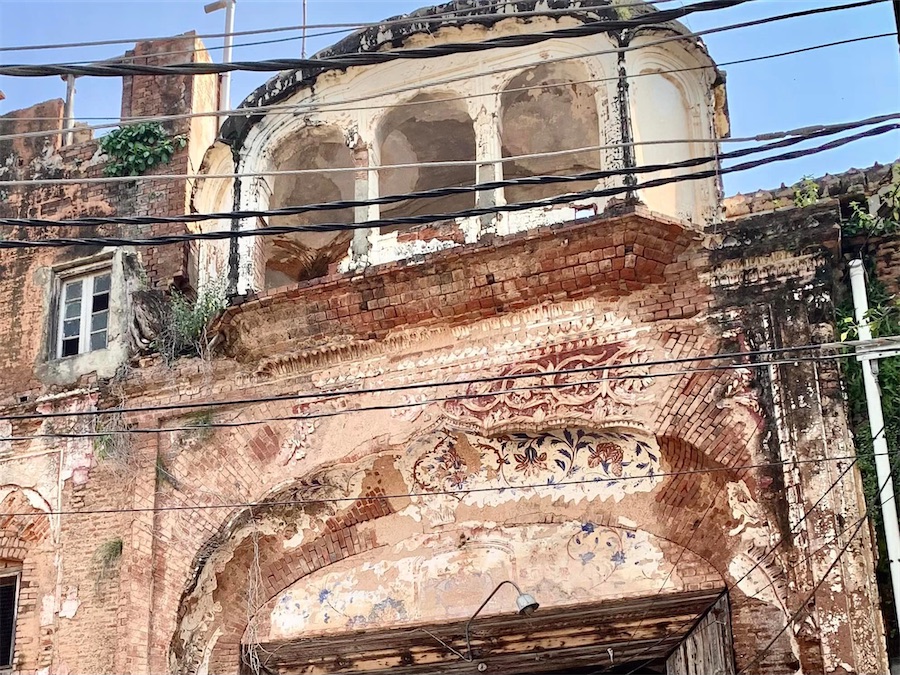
{"x":560,"y":107}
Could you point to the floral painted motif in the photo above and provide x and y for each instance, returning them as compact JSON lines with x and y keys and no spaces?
{"x":431,"y":577}
{"x":607,"y":455}
{"x":620,"y":461}
{"x":530,"y":461}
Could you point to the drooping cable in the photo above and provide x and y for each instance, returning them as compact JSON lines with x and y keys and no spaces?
{"x":423,"y":495}
{"x":406,"y":405}
{"x":62,"y":242}
{"x":292,"y":108}
{"x":803,"y":132}
{"x":342,"y":106}
{"x":341,"y":61}
{"x":432,"y":384}
{"x":399,"y":21}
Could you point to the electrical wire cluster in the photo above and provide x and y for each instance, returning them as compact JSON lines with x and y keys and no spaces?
{"x":758,"y":359}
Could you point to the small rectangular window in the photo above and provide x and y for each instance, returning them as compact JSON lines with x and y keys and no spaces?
{"x":9,"y":592}
{"x":84,"y":315}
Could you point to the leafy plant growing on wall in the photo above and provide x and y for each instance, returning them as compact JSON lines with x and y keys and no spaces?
{"x":806,"y":192}
{"x":135,"y":149}
{"x":863,"y":222}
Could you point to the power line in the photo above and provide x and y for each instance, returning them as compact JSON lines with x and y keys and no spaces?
{"x":254,"y":110}
{"x":435,"y":493}
{"x":63,"y":242}
{"x":768,"y":136}
{"x":803,"y":606}
{"x":369,"y":58}
{"x":684,"y":549}
{"x":322,"y":396}
{"x":762,"y":558}
{"x":328,"y":105}
{"x":449,"y":18}
{"x":755,"y":566}
{"x":402,"y":406}
{"x":802,"y":135}
{"x":423,"y":19}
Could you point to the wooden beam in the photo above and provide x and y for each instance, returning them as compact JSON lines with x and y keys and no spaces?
{"x":647,"y":627}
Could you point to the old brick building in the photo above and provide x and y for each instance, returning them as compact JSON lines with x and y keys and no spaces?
{"x":386,"y":422}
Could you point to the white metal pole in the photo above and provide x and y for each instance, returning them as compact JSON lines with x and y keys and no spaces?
{"x":876,"y":425}
{"x":225,"y":91}
{"x":69,"y":110}
{"x":303,"y":34}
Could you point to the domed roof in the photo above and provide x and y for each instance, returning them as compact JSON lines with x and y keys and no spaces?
{"x":395,"y":31}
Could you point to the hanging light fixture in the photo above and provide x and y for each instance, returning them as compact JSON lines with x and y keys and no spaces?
{"x":526,"y":605}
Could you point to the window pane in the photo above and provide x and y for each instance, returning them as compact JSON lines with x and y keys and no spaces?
{"x":73,"y":310}
{"x":101,"y":284}
{"x":98,"y":321}
{"x":98,"y":340}
{"x":69,"y":347}
{"x":101,"y":302}
{"x":71,"y":328}
{"x":73,"y":290}
{"x":7,"y":619}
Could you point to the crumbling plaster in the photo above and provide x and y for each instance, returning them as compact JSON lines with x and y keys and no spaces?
{"x":384,"y":92}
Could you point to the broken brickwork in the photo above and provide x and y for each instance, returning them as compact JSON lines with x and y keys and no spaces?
{"x":528,"y":399}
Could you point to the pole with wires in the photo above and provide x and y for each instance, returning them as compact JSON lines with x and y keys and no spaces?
{"x":224,"y":78}
{"x":869,"y":362}
{"x":303,"y":34}
{"x":69,"y":110}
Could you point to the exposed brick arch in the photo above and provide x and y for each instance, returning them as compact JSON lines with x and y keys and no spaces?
{"x":26,"y":547}
{"x":681,"y":504}
{"x":689,"y":513}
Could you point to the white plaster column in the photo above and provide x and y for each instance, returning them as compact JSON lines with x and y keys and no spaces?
{"x":256,"y":193}
{"x":365,"y":186}
{"x":488,"y":150}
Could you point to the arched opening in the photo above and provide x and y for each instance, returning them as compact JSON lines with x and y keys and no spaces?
{"x":430,"y":130}
{"x":543,"y":109}
{"x":307,"y":255}
{"x":651,"y":93}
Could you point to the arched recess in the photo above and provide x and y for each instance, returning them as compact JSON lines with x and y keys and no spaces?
{"x":307,"y":255}
{"x":681,"y":82}
{"x":654,"y":92}
{"x":426,"y":129}
{"x":26,"y":548}
{"x":311,"y":551}
{"x":213,"y":195}
{"x":545,"y":109}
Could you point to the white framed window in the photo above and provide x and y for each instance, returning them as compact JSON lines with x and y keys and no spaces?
{"x":83,"y":320}
{"x":9,"y":596}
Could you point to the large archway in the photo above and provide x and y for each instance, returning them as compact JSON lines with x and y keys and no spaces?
{"x":417,"y":536}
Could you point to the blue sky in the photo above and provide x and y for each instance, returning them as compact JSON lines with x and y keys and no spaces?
{"x":824,"y":86}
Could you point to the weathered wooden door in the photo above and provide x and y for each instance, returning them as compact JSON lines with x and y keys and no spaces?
{"x":707,"y":650}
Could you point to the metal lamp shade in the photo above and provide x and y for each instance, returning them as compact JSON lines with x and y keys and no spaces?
{"x":526,"y":604}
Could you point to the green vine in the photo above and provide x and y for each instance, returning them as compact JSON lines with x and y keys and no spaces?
{"x":887,"y":221}
{"x":884,"y":318}
{"x":135,"y":149}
